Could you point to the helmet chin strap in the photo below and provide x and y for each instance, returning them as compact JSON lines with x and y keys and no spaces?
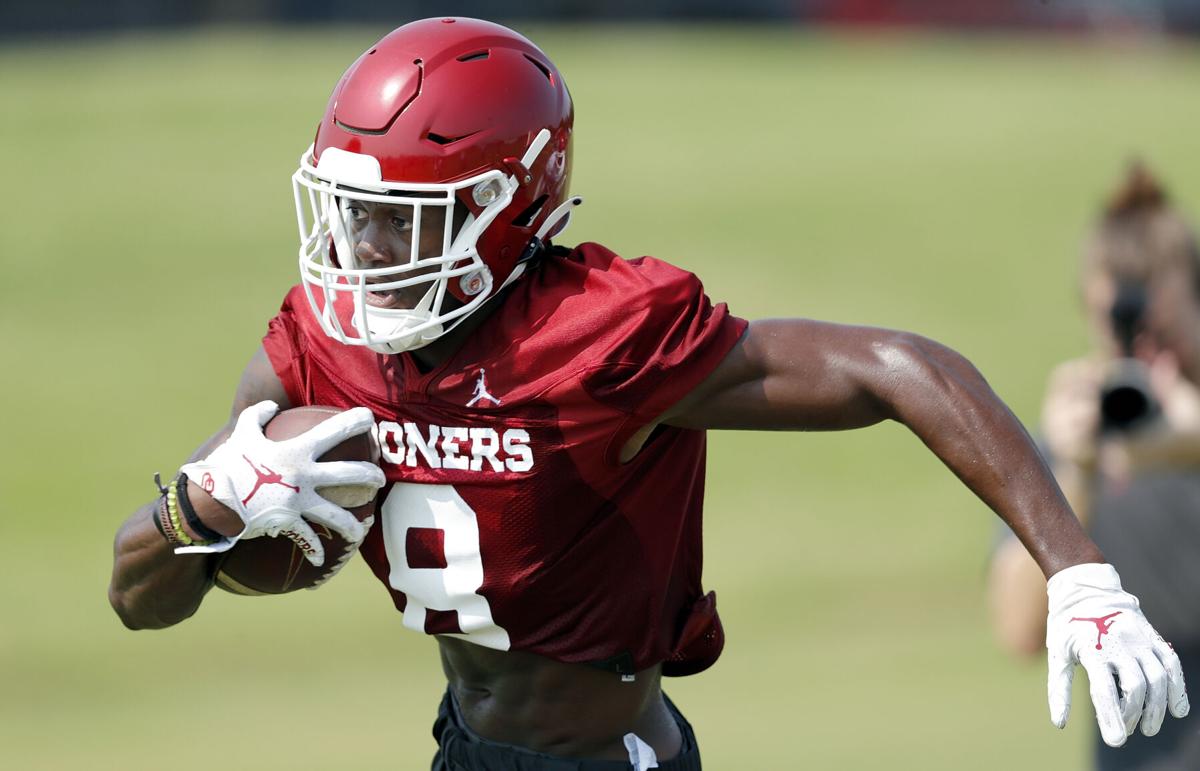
{"x":563,"y":212}
{"x":389,"y":326}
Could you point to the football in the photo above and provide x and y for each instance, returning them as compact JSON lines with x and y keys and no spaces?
{"x":275,"y":565}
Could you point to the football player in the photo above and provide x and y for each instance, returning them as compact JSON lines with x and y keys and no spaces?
{"x":541,"y":413}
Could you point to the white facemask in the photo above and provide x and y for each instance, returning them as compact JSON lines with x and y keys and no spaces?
{"x":329,"y":280}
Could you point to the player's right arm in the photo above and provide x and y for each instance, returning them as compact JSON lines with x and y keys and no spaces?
{"x":151,"y":586}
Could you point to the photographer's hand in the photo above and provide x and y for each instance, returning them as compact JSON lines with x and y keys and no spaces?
{"x":1171,"y":442}
{"x":1071,"y":429}
{"x":1071,"y":412}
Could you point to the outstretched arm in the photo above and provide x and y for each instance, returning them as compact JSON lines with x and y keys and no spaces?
{"x":797,"y":374}
{"x":1070,"y":433}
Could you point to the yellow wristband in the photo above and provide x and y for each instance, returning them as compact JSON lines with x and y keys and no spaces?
{"x":173,"y":512}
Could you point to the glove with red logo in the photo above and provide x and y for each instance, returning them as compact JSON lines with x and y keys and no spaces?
{"x":1133,"y":673}
{"x":273,"y":485}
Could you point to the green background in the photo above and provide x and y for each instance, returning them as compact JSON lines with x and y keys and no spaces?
{"x":935,"y":184}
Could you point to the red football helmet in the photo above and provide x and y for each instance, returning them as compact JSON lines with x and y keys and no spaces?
{"x":457,"y":115}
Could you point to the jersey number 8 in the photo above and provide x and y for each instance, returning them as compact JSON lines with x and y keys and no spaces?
{"x":448,"y":584}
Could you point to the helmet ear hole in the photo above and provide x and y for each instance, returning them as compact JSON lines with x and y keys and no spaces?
{"x":526,"y":217}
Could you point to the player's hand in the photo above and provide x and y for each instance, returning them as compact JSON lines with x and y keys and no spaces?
{"x":1133,"y":673}
{"x":273,"y":485}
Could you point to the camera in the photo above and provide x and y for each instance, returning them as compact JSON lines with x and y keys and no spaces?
{"x":1126,"y":402}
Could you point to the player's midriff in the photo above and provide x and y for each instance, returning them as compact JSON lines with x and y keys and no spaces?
{"x":567,"y":710}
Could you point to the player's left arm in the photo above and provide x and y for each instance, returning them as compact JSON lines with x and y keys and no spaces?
{"x":795,"y":374}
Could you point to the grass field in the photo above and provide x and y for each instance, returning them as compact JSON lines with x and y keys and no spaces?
{"x":934,"y":184}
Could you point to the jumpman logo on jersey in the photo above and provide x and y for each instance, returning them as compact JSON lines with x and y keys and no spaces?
{"x":265,"y":477}
{"x":481,"y":391}
{"x":1102,"y":625}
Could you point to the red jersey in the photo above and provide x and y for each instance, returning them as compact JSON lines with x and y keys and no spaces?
{"x":508,"y":519}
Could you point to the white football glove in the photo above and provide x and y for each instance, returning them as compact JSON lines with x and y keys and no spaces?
{"x":1094,"y":623}
{"x":273,"y":485}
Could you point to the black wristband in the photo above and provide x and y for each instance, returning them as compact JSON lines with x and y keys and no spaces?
{"x":205,"y":532}
{"x":157,"y":517}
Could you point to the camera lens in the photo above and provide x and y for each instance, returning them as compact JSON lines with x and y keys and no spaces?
{"x":1124,"y":406}
{"x":1126,"y":402}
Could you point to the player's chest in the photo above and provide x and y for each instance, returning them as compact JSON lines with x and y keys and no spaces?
{"x":480,"y":427}
{"x":540,"y":446}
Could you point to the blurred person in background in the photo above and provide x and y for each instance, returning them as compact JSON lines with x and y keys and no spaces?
{"x":1121,"y":431}
{"x":544,"y":525}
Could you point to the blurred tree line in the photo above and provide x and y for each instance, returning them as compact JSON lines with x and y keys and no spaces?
{"x":20,"y":18}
